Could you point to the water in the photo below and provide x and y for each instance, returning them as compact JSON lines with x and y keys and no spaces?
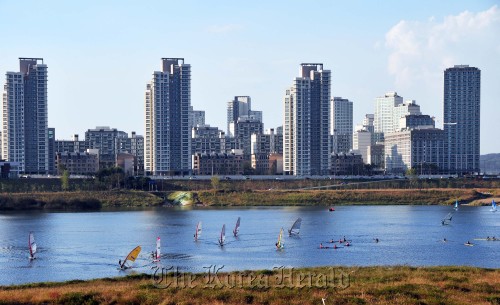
{"x":89,"y":245}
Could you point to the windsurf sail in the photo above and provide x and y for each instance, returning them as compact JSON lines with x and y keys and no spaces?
{"x":157,"y":253}
{"x":295,"y":229}
{"x":447,"y":219}
{"x":132,"y":256}
{"x":197,"y":233}
{"x":456,"y":205}
{"x":222,"y":237}
{"x":493,"y":205}
{"x":280,"y":243}
{"x":236,"y":227}
{"x":32,"y":245}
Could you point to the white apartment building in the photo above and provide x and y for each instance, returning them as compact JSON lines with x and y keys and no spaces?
{"x":167,"y":103}
{"x":25,"y":117}
{"x":342,"y":122}
{"x":306,"y":136}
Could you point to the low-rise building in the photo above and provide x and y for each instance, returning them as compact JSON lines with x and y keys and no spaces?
{"x":346,"y":164}
{"x":77,"y":163}
{"x":218,"y":164}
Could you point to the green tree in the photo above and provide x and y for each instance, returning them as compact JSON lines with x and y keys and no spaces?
{"x":65,"y":180}
{"x":215,"y":181}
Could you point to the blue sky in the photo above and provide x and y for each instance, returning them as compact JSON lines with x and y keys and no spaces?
{"x":101,"y":54}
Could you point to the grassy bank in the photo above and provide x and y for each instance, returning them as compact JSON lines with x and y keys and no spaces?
{"x":367,"y":285}
{"x":339,"y":197}
{"x":78,"y":200}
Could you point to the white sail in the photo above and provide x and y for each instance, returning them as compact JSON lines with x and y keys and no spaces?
{"x":295,"y":229}
{"x":222,"y":237}
{"x":157,"y":254}
{"x":32,"y":245}
{"x":237,"y":227}
{"x":197,"y":233}
{"x":493,"y":205}
{"x":447,"y":219}
{"x":456,"y":205}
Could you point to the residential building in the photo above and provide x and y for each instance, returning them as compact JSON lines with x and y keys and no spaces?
{"x":307,"y":122}
{"x":408,"y":107}
{"x":242,"y":131}
{"x":218,"y":164}
{"x":134,"y":146}
{"x":416,"y":121}
{"x":262,"y":146}
{"x":346,"y":164}
{"x":51,"y":140}
{"x":76,"y":163}
{"x":168,"y":134}
{"x":462,"y":118}
{"x":376,"y":155}
{"x":362,"y":140}
{"x":72,"y":146}
{"x":241,"y":107}
{"x":196,"y":117}
{"x":207,"y":140}
{"x":25,"y":117}
{"x":415,"y":148}
{"x":106,"y":140}
{"x":383,"y":119}
{"x":341,"y":128}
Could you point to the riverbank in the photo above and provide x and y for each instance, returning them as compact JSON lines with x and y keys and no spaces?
{"x":97,"y":200}
{"x":343,"y":197}
{"x":337,"y":285}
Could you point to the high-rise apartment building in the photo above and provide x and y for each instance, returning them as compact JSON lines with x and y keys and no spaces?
{"x":168,"y":135}
{"x":196,"y":117}
{"x":341,"y":125}
{"x":241,"y":107}
{"x":383,"y":117}
{"x":462,"y":101}
{"x":25,"y":116}
{"x":307,"y":122}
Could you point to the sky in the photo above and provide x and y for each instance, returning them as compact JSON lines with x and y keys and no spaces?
{"x":101,"y":54}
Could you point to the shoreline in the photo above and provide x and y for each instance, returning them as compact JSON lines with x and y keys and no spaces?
{"x":337,"y":284}
{"x":126,"y":199}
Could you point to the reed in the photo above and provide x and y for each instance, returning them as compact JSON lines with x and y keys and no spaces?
{"x":367,"y":285}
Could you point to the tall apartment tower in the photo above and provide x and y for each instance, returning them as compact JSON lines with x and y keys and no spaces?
{"x":241,"y":107}
{"x":384,"y":118}
{"x":462,"y":101}
{"x":307,"y":122}
{"x":168,"y":101}
{"x":25,"y":116}
{"x":341,"y":125}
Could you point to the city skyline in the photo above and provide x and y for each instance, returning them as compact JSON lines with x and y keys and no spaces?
{"x":387,"y":58}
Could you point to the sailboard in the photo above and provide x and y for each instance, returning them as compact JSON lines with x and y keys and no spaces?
{"x":236,"y":228}
{"x":132,"y":256}
{"x":456,"y":205}
{"x":447,"y":219}
{"x":295,"y":229}
{"x":280,"y":243}
{"x":32,"y":245}
{"x":197,"y":233}
{"x":222,"y":237}
{"x":156,"y":254}
{"x":493,"y":206}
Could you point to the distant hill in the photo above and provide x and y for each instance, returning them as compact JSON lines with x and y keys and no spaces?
{"x":490,"y":163}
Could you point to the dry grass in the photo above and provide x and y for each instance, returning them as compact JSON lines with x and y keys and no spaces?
{"x":368,"y":285}
{"x":339,"y":197}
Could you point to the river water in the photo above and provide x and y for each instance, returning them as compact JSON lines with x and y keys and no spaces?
{"x":89,"y":245}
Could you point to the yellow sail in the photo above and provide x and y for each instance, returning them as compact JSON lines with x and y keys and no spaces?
{"x":132,"y":255}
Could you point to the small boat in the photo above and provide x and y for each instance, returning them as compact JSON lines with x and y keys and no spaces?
{"x":222,"y":237}
{"x":468,"y":244}
{"x":331,"y":209}
{"x":32,"y":245}
{"x":156,"y":254}
{"x":456,"y":205}
{"x":197,"y":233}
{"x":493,"y":206}
{"x":295,"y":229}
{"x":236,"y":228}
{"x":280,"y":245}
{"x":132,"y":256}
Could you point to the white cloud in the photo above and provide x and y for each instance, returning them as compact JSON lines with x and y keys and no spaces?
{"x":223,"y":28}
{"x":420,"y":51}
